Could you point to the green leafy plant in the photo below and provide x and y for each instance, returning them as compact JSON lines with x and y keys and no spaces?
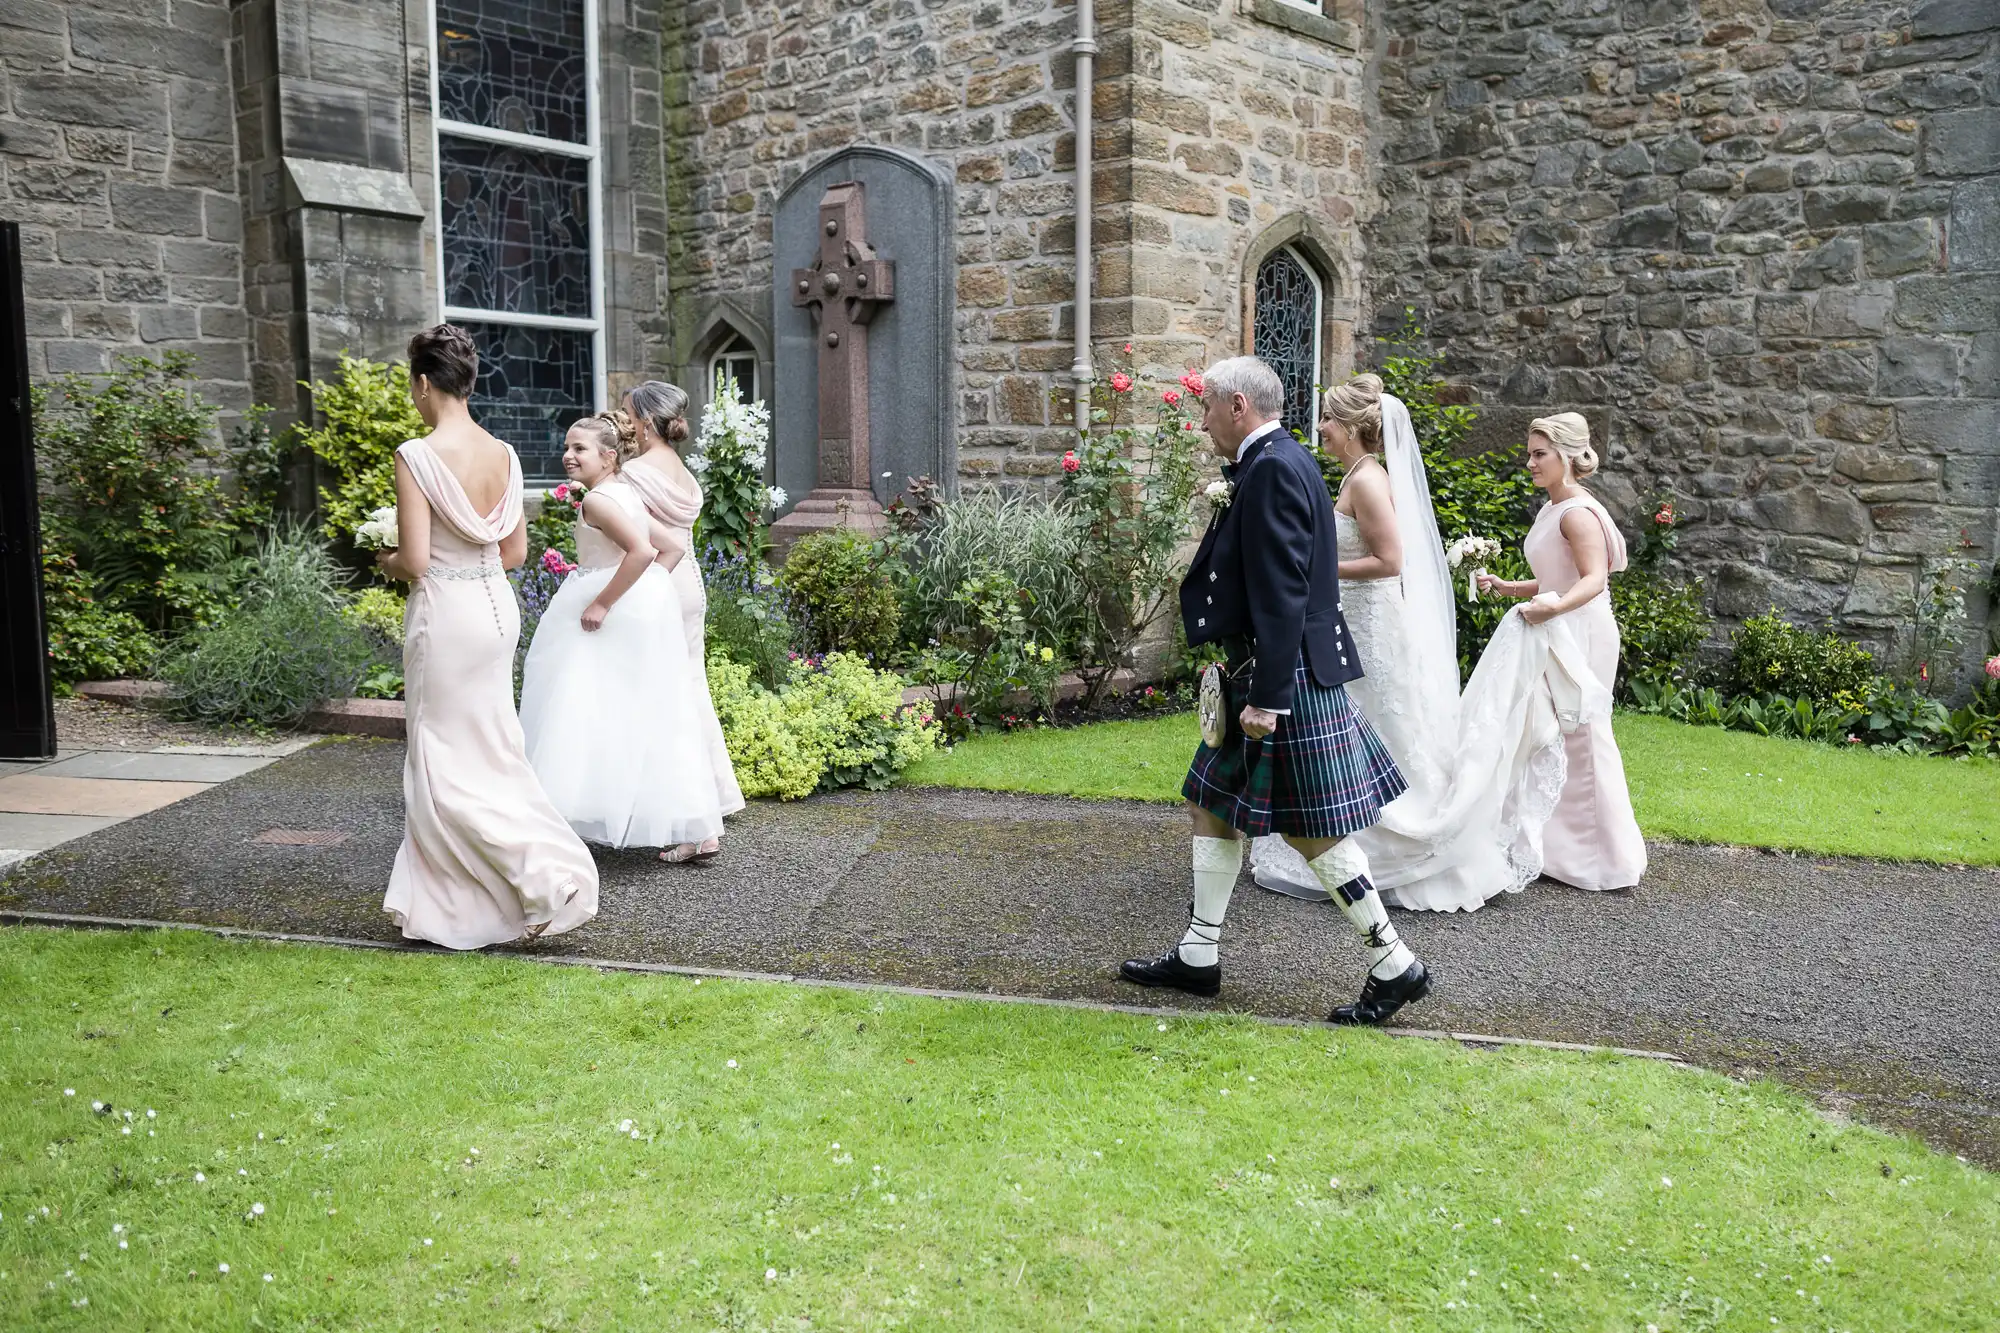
{"x":363,"y":415}
{"x":850,"y":590}
{"x":1940,"y":622}
{"x":87,"y":639}
{"x":989,"y":660}
{"x":379,"y":611}
{"x":751,"y":620}
{"x":729,"y":460}
{"x":281,"y":651}
{"x":832,"y":722}
{"x":1772,"y":656}
{"x":1022,"y":537}
{"x":381,"y":681}
{"x":127,"y":468}
{"x":553,"y":527}
{"x":1661,"y":628}
{"x":1129,"y":484}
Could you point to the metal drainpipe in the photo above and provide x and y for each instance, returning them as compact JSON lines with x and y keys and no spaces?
{"x":1084,"y":48}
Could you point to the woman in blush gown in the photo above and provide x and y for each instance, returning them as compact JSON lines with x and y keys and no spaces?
{"x":608,"y":693}
{"x":673,"y":501}
{"x":1592,"y":839}
{"x":485,"y":856}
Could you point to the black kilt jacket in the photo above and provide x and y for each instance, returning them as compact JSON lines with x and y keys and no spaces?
{"x":1268,"y":572}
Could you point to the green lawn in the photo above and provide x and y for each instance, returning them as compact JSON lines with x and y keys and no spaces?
{"x":482,"y":1143}
{"x":1698,"y":784}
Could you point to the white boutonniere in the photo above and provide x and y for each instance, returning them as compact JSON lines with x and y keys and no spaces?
{"x":1218,"y":494}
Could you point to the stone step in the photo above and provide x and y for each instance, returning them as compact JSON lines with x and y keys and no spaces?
{"x":337,"y":717}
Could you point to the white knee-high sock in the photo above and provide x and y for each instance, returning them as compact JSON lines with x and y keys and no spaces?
{"x":1343,"y":872}
{"x":1217,"y":862}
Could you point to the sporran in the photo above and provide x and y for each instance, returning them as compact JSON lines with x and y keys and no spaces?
{"x":1211,"y":706}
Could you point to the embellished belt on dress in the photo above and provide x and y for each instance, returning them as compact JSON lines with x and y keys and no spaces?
{"x":464,"y":572}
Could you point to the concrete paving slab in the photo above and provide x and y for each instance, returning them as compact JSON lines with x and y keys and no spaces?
{"x":35,"y":833}
{"x":274,"y":750}
{"x":1874,"y":986}
{"x":35,"y":794}
{"x":142,"y":766}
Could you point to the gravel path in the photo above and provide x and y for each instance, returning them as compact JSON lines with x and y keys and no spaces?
{"x":1876,"y":986}
{"x":92,"y":724}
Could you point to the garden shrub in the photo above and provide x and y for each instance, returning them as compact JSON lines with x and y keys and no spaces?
{"x":728,"y":460}
{"x":379,"y":611}
{"x":553,"y":527}
{"x":751,"y":619}
{"x":364,"y":414}
{"x":849,"y":590}
{"x":988,"y":656}
{"x":1022,"y":537}
{"x":1771,"y":656}
{"x":284,"y":649}
{"x":833,"y":722}
{"x":87,"y":639}
{"x":1129,"y":486}
{"x":129,"y":488}
{"x":1661,"y":626}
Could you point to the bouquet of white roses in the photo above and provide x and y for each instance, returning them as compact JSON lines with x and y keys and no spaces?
{"x":1475,"y":551}
{"x":379,"y":531}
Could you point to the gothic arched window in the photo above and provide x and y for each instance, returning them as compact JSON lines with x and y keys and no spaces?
{"x":738,"y":360}
{"x":1285,"y":330}
{"x":520,"y":215}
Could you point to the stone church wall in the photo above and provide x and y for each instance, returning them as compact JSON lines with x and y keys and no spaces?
{"x":1755,"y":242}
{"x":118,"y":157}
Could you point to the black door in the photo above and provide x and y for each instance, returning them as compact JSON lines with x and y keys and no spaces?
{"x":27,"y":711}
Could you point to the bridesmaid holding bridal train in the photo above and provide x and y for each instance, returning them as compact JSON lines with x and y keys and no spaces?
{"x":485,"y":856}
{"x":654,"y":469}
{"x":608,"y":694}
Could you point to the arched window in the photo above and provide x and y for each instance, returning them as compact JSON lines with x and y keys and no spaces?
{"x":520,"y":216}
{"x":1285,"y":330}
{"x":737,"y":359}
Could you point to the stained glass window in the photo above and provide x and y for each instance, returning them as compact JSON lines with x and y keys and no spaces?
{"x":516,"y":229}
{"x":1285,"y":332}
{"x":533,"y":385}
{"x":519,"y":213}
{"x":515,"y":65}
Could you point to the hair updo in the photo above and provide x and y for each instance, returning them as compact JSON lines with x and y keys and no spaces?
{"x":614,"y":432}
{"x":445,"y":355}
{"x":1569,"y":435}
{"x":664,"y":407}
{"x":1357,"y":405}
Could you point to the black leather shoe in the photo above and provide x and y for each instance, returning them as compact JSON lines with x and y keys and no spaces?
{"x":1168,"y":970}
{"x":1381,"y":999}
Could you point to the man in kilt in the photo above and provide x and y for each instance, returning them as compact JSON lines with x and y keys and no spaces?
{"x":1298,"y":758}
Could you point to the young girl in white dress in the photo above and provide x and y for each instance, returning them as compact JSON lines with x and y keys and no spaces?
{"x":608,"y":693}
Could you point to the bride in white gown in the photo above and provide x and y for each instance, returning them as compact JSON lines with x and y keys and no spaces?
{"x":1396,"y":593}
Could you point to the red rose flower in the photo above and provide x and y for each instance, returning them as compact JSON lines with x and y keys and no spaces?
{"x":1192,"y":383}
{"x":1170,"y":398}
{"x":1070,"y":462}
{"x":1121,"y":383}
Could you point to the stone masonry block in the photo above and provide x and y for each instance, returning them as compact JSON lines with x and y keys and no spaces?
{"x":1916,"y":368}
{"x":114,"y":38}
{"x":1956,"y":304}
{"x":1949,"y":18}
{"x":157,"y":210}
{"x":109,"y":249}
{"x":201,"y":110}
{"x":201,"y":259}
{"x":1963,"y":143}
{"x":1956,"y":426}
{"x":1892,"y":248}
{"x":1974,"y":241}
{"x":165,"y":323}
{"x":106,"y":101}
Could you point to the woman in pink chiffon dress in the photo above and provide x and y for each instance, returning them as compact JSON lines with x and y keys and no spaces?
{"x":485,"y":857}
{"x":673,"y":501}
{"x":1592,"y":839}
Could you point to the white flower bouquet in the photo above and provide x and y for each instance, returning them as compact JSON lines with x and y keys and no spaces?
{"x":380,"y":531}
{"x":1474,"y":551}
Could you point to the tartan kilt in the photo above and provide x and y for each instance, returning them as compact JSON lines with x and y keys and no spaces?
{"x":1324,"y":773}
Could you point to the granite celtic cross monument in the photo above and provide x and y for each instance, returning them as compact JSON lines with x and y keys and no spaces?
{"x":843,"y":289}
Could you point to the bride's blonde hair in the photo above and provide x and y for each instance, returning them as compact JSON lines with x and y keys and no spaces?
{"x":1357,"y":405}
{"x":1569,"y":435}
